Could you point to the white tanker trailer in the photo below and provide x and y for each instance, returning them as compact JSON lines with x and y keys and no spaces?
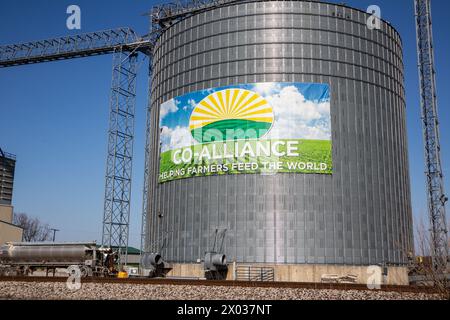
{"x":23,"y":258}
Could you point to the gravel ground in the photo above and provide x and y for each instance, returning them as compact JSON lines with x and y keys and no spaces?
{"x":59,"y":291}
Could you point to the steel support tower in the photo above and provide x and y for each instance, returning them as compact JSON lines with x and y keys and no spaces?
{"x":430,"y":120}
{"x":116,"y":213}
{"x":125,"y":45}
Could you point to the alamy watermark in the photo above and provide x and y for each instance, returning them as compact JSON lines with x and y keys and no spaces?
{"x":374,"y":21}
{"x":73,"y":22}
{"x":375,"y":278}
{"x":73,"y":282}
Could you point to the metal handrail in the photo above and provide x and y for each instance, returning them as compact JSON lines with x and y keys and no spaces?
{"x":254,"y":273}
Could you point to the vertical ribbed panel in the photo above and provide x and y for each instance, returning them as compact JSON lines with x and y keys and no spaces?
{"x":359,"y":215}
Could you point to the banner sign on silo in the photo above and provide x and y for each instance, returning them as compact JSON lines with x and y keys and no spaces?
{"x":264,"y":128}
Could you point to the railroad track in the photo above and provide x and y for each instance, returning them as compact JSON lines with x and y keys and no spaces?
{"x":223,"y":283}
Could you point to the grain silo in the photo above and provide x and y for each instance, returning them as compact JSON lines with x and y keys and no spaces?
{"x":323,"y":185}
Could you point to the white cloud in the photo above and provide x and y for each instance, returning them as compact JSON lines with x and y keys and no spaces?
{"x":266,"y":88}
{"x":176,"y":138}
{"x":192,"y":103}
{"x":190,"y":106}
{"x":208,"y":91}
{"x":296,"y":117}
{"x":168,"y":107}
{"x":288,"y":129}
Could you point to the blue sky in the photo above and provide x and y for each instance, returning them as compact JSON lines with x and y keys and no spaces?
{"x":54,"y":116}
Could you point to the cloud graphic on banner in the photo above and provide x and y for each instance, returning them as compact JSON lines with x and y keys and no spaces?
{"x":168,"y":107}
{"x":192,"y":104}
{"x":298,"y":117}
{"x":176,"y":138}
{"x":266,"y":88}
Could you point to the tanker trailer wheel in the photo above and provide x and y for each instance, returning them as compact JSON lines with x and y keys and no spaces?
{"x":105,"y":273}
{"x":27,"y":271}
{"x":85,"y":272}
{"x":23,"y":271}
{"x":77,"y":271}
{"x":10,"y":272}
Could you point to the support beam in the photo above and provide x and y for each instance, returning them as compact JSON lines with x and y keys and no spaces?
{"x":145,"y":246}
{"x":145,"y":196}
{"x":69,"y":47}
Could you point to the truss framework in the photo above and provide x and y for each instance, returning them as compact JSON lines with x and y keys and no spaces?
{"x":120,"y":153}
{"x":69,"y":47}
{"x":434,"y":174}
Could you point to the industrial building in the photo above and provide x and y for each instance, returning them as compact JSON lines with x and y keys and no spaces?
{"x":133,"y":255}
{"x":300,"y":225}
{"x":8,"y":231}
{"x":7,"y":168}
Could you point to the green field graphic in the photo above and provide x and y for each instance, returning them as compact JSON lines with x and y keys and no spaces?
{"x":310,"y":152}
{"x":241,"y":129}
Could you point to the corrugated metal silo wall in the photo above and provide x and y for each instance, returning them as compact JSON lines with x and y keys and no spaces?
{"x":361,"y":214}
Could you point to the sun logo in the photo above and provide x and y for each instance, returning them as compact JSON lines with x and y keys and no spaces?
{"x":231,"y":114}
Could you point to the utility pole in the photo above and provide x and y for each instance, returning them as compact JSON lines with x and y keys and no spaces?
{"x":54,"y":233}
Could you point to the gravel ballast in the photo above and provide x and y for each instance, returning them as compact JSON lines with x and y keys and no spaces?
{"x":106,"y":291}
